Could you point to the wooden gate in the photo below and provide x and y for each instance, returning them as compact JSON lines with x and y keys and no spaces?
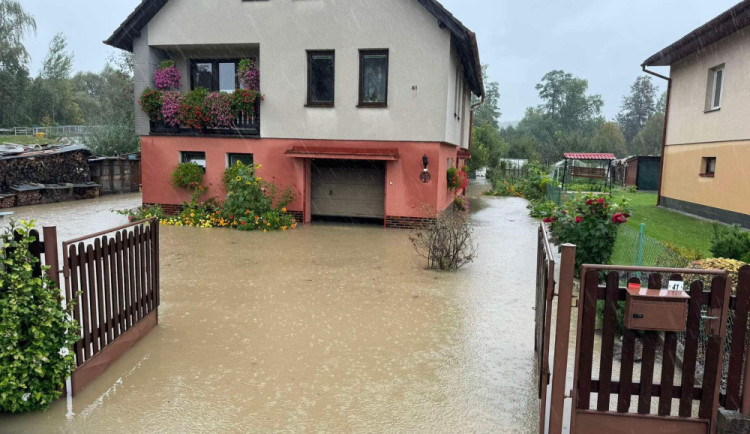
{"x":689,"y":405}
{"x":640,"y":381}
{"x":113,"y":278}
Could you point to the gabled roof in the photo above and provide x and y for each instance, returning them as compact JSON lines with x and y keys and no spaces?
{"x":585,"y":156}
{"x":464,"y":39}
{"x":726,"y":24}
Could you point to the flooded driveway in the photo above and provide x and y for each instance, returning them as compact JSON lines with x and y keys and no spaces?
{"x":330,"y":327}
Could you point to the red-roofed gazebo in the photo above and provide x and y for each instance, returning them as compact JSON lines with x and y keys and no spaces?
{"x":589,"y":169}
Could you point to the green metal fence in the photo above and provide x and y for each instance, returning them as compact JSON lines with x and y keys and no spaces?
{"x":636,"y":248}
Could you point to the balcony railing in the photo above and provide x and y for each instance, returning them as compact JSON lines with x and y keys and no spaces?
{"x":243,"y":126}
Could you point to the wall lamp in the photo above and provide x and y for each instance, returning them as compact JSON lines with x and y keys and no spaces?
{"x":425,"y":175}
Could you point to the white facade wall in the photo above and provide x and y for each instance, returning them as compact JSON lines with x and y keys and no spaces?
{"x":422,"y":64}
{"x":689,"y":122}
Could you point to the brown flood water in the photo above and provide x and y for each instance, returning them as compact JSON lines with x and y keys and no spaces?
{"x":331,"y":327}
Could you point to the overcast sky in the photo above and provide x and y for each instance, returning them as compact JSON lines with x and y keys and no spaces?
{"x":604,"y":41}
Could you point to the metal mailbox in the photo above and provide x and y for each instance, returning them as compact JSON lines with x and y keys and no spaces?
{"x":656,"y":310}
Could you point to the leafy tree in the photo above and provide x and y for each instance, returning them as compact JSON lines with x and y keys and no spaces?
{"x":609,"y":138}
{"x":565,"y":101}
{"x":56,"y":85}
{"x":488,"y":146}
{"x":649,"y":139}
{"x":15,"y":24}
{"x":637,"y":107}
{"x":489,"y":112}
{"x":661,"y":105}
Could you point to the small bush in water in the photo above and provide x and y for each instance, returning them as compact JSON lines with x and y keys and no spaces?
{"x":446,"y":241}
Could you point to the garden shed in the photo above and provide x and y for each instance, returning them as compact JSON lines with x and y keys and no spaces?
{"x":642,"y":172}
{"x":117,"y":174}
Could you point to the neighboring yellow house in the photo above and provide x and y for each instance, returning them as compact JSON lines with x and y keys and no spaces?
{"x":706,"y":152}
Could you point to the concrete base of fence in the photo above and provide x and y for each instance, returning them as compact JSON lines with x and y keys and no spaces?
{"x":733,"y":422}
{"x":95,"y":366}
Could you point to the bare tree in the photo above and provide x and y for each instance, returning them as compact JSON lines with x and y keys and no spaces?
{"x":446,"y":241}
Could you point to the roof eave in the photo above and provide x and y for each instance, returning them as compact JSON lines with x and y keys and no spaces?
{"x":724,"y":25}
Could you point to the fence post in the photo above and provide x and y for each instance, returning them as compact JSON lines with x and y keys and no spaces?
{"x":562,"y":337}
{"x":641,"y":239}
{"x":50,"y":253}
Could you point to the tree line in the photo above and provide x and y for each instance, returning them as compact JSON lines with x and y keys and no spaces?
{"x":57,"y":95}
{"x":569,"y":119}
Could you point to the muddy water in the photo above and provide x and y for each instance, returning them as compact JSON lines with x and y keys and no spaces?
{"x":331,"y":327}
{"x":75,"y":219}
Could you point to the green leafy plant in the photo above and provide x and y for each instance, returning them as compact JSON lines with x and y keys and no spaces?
{"x":188,"y":176}
{"x":36,"y":333}
{"x":151,"y":103}
{"x":242,"y":102}
{"x":731,"y":265}
{"x":591,"y":223}
{"x":143,"y":213}
{"x":731,"y":242}
{"x":461,"y":203}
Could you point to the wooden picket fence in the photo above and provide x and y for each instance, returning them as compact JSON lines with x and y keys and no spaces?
{"x":113,"y":279}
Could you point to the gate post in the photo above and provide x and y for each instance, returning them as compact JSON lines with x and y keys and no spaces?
{"x":50,"y":253}
{"x":562,"y":337}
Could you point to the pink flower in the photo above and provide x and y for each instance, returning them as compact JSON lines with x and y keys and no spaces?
{"x":549,"y":220}
{"x":601,"y":200}
{"x":579,"y":219}
{"x":167,"y":78}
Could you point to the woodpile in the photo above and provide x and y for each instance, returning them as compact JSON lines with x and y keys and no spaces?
{"x":46,"y":175}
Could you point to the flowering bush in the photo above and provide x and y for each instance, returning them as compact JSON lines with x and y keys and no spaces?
{"x":36,"y":333}
{"x":167,"y":77}
{"x":251,"y":204}
{"x":151,"y":103}
{"x":243,"y":102}
{"x":458,"y":179}
{"x":217,"y":106}
{"x":590,"y":222}
{"x":461,"y":203}
{"x":249,"y":75}
{"x":171,"y":108}
{"x":192,"y":110}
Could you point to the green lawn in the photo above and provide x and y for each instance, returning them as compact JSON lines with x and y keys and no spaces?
{"x":26,"y":140}
{"x":667,"y":226}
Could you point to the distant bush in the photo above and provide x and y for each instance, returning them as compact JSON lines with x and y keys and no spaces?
{"x":731,"y":242}
{"x":113,"y":139}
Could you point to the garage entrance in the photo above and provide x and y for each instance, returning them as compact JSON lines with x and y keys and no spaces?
{"x":348,"y":188}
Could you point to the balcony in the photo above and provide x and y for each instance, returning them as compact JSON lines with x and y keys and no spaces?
{"x":244,"y":126}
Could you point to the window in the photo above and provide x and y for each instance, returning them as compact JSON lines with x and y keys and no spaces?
{"x":246,"y":159}
{"x":373,"y":78}
{"x":214,"y":75}
{"x":708,"y":167}
{"x":321,"y":69}
{"x":716,"y":87}
{"x":198,"y":158}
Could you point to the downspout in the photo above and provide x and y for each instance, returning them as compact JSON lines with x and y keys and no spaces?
{"x":664,"y":134}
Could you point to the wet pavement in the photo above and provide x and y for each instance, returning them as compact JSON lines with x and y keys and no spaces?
{"x":331,"y":327}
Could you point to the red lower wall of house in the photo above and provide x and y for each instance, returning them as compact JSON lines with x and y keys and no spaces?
{"x":406,"y":195}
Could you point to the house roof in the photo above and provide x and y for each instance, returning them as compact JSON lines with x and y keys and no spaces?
{"x":585,"y":156}
{"x":726,"y":24}
{"x":464,"y":39}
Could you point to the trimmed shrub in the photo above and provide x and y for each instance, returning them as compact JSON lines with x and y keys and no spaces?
{"x":731,"y":242}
